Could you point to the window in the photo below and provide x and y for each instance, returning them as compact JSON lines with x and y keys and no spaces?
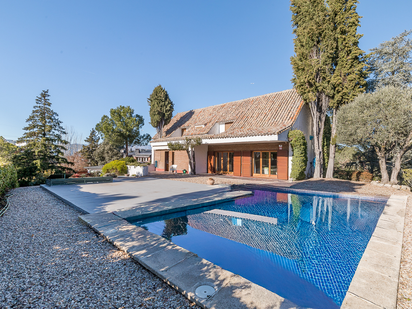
{"x":227,"y":125}
{"x":265,"y":163}
{"x":183,"y":131}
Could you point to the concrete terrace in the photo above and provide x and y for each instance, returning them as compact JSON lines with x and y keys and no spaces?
{"x":125,"y":193}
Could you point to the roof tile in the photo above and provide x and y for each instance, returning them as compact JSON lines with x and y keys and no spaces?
{"x":267,"y":114}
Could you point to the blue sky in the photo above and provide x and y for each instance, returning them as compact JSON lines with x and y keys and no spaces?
{"x":97,"y":55}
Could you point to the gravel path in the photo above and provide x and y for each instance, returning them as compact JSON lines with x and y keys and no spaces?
{"x":48,"y":259}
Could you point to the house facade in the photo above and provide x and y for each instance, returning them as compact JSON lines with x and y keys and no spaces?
{"x":241,"y":138}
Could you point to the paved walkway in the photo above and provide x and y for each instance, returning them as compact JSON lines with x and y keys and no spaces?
{"x":129,"y":192}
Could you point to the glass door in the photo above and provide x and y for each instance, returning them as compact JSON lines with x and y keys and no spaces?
{"x":265,"y":163}
{"x":224,"y":162}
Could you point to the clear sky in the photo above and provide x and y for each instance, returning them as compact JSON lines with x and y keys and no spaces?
{"x":97,"y":55}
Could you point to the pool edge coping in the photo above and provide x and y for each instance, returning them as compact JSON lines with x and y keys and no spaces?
{"x":375,"y":284}
{"x":122,"y":234}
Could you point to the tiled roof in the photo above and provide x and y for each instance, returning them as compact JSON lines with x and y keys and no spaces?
{"x":267,"y":114}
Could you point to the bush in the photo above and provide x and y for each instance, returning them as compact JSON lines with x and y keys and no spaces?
{"x":139,"y":164}
{"x":407,"y":177}
{"x":129,"y":160}
{"x":361,"y":176}
{"x":300,"y":154}
{"x":118,"y":167}
{"x":8,"y":178}
{"x":342,"y":174}
{"x":110,"y":175}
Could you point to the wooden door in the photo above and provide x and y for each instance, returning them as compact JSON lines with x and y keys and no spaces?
{"x":166,"y":161}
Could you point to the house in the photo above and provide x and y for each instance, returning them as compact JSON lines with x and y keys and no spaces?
{"x":143,"y":157}
{"x":142,"y":154}
{"x":242,"y":138}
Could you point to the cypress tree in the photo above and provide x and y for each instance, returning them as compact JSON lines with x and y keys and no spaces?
{"x":161,"y":109}
{"x":312,"y":64}
{"x":326,"y":141}
{"x":44,"y":136}
{"x":348,"y":75}
{"x":328,"y":65}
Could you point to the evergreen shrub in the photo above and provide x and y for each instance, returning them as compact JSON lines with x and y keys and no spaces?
{"x":129,"y":160}
{"x":139,"y":164}
{"x":8,"y":178}
{"x":407,"y":176}
{"x":118,"y":167}
{"x":300,"y":154}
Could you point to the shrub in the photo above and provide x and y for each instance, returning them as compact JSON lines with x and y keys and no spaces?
{"x":129,"y":160}
{"x":139,"y":164}
{"x":365,"y":176}
{"x":361,"y":176}
{"x":118,"y":167}
{"x":355,"y":176}
{"x":8,"y":178}
{"x":407,"y":177}
{"x":342,"y":174}
{"x":300,"y":154}
{"x":110,"y":175}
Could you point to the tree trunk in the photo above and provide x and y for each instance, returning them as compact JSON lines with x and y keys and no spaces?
{"x":161,"y":125}
{"x":332,"y":147}
{"x":318,"y":111}
{"x":190,"y":154}
{"x":398,"y":159}
{"x":194,"y":161}
{"x":396,"y":169}
{"x":127,"y":149}
{"x":382,"y":165}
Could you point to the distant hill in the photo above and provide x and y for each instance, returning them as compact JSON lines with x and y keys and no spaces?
{"x":72,"y":149}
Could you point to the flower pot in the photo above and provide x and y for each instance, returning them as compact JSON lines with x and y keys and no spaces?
{"x":210,"y":181}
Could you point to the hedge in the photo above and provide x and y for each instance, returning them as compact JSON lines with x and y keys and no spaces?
{"x":8,"y":178}
{"x":300,"y":154}
{"x":118,"y":167}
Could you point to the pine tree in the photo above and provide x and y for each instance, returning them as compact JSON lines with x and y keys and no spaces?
{"x":161,"y":109}
{"x":122,"y":128}
{"x":391,"y":63}
{"x":312,"y":64}
{"x":88,"y":150}
{"x":44,"y":136}
{"x":106,"y":153}
{"x":348,"y":74}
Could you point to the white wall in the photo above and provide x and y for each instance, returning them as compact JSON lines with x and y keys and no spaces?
{"x":137,"y":170}
{"x":214,"y":129}
{"x":303,"y":123}
{"x":176,"y":133}
{"x":201,"y":158}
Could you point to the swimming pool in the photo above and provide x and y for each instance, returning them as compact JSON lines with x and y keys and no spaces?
{"x":305,"y":248}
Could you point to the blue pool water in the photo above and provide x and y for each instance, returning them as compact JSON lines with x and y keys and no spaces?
{"x":305,"y":248}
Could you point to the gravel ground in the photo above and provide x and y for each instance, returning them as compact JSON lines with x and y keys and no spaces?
{"x":338,"y":186}
{"x":50,"y":260}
